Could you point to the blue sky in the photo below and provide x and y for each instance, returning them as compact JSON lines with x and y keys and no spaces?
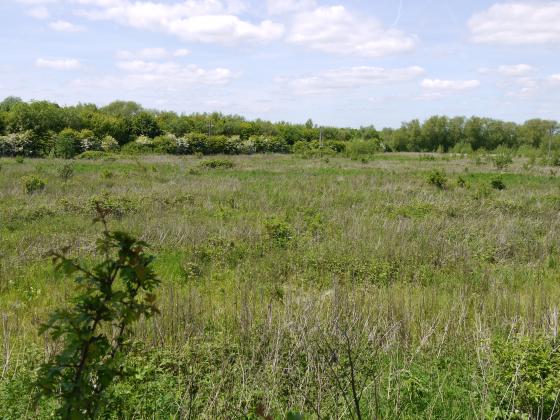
{"x":345,"y":63}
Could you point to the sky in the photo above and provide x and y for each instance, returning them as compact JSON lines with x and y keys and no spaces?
{"x":344,"y":63}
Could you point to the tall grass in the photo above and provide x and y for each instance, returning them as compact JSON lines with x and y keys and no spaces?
{"x":386,"y":299}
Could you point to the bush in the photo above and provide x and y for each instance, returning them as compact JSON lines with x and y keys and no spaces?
{"x":279,"y":232}
{"x":462,"y":182}
{"x":67,"y":144}
{"x":95,"y":331}
{"x":88,"y":141}
{"x":498,"y":184}
{"x":165,"y":144}
{"x":502,"y":160}
{"x":217,"y":163}
{"x":20,"y":144}
{"x":92,"y":155}
{"x":438,"y":179}
{"x":526,"y":378}
{"x":109,"y":144}
{"x":117,"y":206}
{"x":33,"y":184}
{"x":65,"y":172}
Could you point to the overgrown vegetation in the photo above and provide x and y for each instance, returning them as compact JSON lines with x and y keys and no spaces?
{"x":323,"y":287}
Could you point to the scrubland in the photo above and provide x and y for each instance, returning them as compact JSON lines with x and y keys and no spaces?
{"x":396,"y":286}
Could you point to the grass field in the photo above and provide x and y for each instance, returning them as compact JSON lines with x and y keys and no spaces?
{"x":322,"y":287}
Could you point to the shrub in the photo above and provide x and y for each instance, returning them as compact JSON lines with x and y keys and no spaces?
{"x":92,"y":155}
{"x":526,"y":378}
{"x":33,"y":184}
{"x":95,"y":330}
{"x":67,"y":144}
{"x":111,"y":205}
{"x":498,"y":184}
{"x":217,"y":163}
{"x":279,"y":232}
{"x":462,"y":182}
{"x":65,"y":172}
{"x":438,"y":179}
{"x":19,"y":159}
{"x":109,"y":144}
{"x":502,"y":160}
{"x":165,"y":144}
{"x":88,"y":141}
{"x":20,"y":144}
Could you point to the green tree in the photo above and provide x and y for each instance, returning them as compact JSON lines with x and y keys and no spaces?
{"x":67,"y":143}
{"x":145,"y":124}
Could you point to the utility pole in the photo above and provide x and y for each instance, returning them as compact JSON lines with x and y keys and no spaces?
{"x":210,"y":125}
{"x":321,"y":137}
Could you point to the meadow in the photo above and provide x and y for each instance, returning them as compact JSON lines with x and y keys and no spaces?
{"x":394,"y":286}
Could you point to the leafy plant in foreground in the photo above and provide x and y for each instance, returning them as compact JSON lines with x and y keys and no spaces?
{"x":96,"y":328}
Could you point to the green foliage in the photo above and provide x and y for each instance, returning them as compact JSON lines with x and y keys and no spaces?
{"x":67,"y":144}
{"x":112,"y":205}
{"x":65,"y":172}
{"x":33,"y":184}
{"x":217,"y":164}
{"x":279,"y":232}
{"x":165,"y":144}
{"x":109,"y":144}
{"x":462,"y":182}
{"x":438,"y":179}
{"x":526,"y":378}
{"x":94,"y":331}
{"x":92,"y":155}
{"x":502,"y":160}
{"x":498,"y":183}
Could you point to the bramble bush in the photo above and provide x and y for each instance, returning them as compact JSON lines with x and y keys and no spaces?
{"x":95,"y":331}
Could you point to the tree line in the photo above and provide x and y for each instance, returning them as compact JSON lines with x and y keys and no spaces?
{"x":40,"y":128}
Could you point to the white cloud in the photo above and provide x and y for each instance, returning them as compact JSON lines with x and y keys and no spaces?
{"x":350,"y":78}
{"x":517,"y":23}
{"x":40,"y":12}
{"x":554,"y":78}
{"x":58,"y":64}
{"x":278,"y":7}
{"x":64,"y":26}
{"x":151,"y":54}
{"x":224,"y":29}
{"x":510,"y":70}
{"x":191,"y":20}
{"x":335,"y":30}
{"x":441,"y":86}
{"x":170,"y":73}
{"x":516,"y":70}
{"x":158,"y":76}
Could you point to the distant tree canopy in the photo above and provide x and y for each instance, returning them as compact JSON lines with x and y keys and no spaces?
{"x":41,"y":127}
